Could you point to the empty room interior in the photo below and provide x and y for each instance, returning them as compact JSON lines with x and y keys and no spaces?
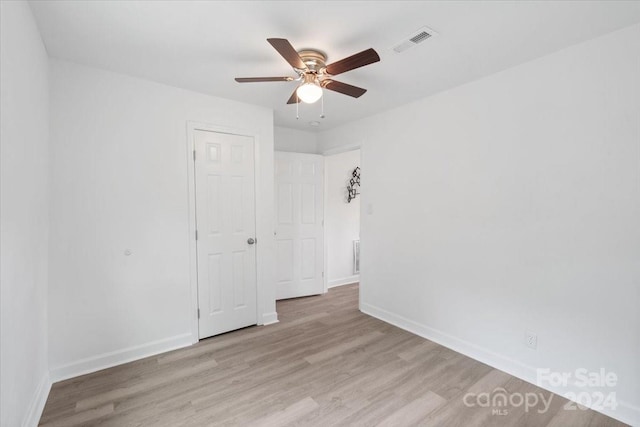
{"x":278,"y":213}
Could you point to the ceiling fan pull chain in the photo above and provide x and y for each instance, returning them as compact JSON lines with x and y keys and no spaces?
{"x":297,"y":106}
{"x":322,"y":107}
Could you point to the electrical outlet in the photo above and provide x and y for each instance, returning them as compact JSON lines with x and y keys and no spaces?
{"x":531,"y":340}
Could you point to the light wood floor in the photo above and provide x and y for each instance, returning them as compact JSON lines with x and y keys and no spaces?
{"x":324,"y":364}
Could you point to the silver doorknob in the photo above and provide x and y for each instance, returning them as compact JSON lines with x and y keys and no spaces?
{"x":251,"y":240}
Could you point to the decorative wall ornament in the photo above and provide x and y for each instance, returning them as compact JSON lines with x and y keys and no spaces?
{"x":354,"y":184}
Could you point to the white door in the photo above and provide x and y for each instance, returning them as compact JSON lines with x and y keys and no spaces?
{"x":299,"y":202}
{"x":226,"y":226}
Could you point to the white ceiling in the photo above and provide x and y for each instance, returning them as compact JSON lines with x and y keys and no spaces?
{"x":202,"y":45}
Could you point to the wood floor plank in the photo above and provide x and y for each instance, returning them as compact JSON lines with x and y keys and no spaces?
{"x":133,"y":389}
{"x":413,"y":412}
{"x":82,"y":418}
{"x":324,"y":364}
{"x":288,"y":415}
{"x":343,"y":347}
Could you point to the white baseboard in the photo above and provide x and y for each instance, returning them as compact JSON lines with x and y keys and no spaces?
{"x":269,"y":318}
{"x":118,"y":357}
{"x":625,"y":412}
{"x":32,"y":418}
{"x":343,"y":281}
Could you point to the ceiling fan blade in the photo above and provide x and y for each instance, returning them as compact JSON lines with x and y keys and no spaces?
{"x":287,"y":51}
{"x":358,"y":60}
{"x":343,"y":88}
{"x":263,"y":79}
{"x":293,"y":99}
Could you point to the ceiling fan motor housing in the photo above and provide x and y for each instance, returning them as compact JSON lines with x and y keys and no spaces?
{"x":313,"y":59}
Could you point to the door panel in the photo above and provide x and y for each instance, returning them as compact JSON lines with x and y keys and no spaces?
{"x":225,"y":220}
{"x":299,"y":201}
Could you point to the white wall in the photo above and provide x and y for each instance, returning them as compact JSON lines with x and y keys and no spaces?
{"x":342,"y":219}
{"x":119,"y":182}
{"x":509,"y":204}
{"x":24,"y":137}
{"x":294,"y":140}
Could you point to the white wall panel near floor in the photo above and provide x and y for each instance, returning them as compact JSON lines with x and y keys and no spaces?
{"x":512,"y":203}
{"x":120,"y":240}
{"x":342,"y":220}
{"x":24,"y":137}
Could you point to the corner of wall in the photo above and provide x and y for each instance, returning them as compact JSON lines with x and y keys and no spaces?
{"x":32,"y":417}
{"x":269,"y":318}
{"x":343,"y":281}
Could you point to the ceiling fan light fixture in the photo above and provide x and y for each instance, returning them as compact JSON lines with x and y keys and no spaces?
{"x":309,"y":92}
{"x":311,"y":67}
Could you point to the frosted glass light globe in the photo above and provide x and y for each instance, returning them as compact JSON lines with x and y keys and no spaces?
{"x":309,"y":92}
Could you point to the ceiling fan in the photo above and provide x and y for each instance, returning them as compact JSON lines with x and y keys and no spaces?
{"x":314,"y":74}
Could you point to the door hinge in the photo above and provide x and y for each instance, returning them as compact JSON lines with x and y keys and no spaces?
{"x":196,"y":234}
{"x":194,"y":155}
{"x":198,"y":313}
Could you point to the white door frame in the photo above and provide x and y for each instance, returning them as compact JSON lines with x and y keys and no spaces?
{"x":192,"y":127}
{"x":330,"y":152}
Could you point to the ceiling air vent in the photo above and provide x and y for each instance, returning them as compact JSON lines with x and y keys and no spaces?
{"x":417,"y":37}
